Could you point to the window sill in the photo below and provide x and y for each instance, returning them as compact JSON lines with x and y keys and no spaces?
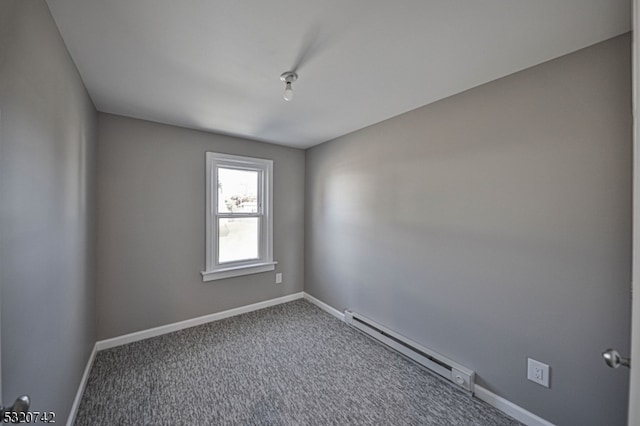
{"x":237,"y":271}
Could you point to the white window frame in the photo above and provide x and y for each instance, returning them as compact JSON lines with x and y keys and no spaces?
{"x":215,"y":270}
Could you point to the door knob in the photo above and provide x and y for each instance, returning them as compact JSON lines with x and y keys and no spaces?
{"x":20,"y":406}
{"x":614,"y":360}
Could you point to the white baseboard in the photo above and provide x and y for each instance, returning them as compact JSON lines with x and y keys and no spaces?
{"x":164,"y":329}
{"x":509,"y":408}
{"x":169,"y":328}
{"x":81,"y":387}
{"x":481,"y":393}
{"x":330,"y":309}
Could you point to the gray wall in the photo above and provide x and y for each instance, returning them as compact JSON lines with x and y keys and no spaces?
{"x":151,"y":221}
{"x":47,"y":170}
{"x":493,"y":226}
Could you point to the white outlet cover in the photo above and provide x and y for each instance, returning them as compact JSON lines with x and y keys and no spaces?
{"x":538,"y":372}
{"x":279,"y":278}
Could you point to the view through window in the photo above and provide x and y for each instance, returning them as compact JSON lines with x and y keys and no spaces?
{"x":238,"y":215}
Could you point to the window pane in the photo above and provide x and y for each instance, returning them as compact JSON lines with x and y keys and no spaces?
{"x":237,"y":191}
{"x":238,"y":239}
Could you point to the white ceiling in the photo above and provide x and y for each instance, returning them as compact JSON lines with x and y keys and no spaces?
{"x":215,"y":65}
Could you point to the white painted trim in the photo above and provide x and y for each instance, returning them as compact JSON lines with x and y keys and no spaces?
{"x":169,"y":328}
{"x":213,"y":269}
{"x":236,"y":271}
{"x":81,"y":387}
{"x":330,"y":309}
{"x":634,"y":374}
{"x":509,"y":408}
{"x":481,"y":393}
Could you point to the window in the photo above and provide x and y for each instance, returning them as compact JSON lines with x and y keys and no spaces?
{"x":239,"y":223}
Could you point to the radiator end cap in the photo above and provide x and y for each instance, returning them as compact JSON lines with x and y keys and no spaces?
{"x":464,"y":379}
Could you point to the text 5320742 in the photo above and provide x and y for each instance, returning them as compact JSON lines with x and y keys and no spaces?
{"x":29,"y":417}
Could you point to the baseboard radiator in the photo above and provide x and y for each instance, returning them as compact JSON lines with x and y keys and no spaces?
{"x":434,"y":361}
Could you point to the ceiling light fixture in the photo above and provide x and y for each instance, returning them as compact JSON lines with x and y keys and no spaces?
{"x":288,"y":78}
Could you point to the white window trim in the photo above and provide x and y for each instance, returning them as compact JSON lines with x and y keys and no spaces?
{"x":265,"y":262}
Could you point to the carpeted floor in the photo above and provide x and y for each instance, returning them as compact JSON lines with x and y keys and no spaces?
{"x":291,"y":364}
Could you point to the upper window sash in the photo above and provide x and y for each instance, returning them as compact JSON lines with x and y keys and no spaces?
{"x":259,"y":197}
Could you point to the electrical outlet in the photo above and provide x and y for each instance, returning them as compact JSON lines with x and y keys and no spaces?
{"x":279,"y":278}
{"x":538,"y":372}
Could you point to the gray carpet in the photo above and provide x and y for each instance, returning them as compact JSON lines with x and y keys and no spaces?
{"x":291,"y":364}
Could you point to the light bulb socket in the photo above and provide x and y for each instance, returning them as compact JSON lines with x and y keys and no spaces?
{"x":289,"y":77}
